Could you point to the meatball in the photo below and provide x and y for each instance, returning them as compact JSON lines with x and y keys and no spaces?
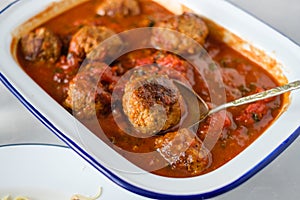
{"x":119,"y":7}
{"x":151,"y":103}
{"x":41,"y":45}
{"x":188,"y":24}
{"x":88,"y":38}
{"x":184,"y":150}
{"x":88,"y":92}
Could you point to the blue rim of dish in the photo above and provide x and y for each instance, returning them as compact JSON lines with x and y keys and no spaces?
{"x":268,"y":159}
{"x":33,"y":144}
{"x":8,"y":6}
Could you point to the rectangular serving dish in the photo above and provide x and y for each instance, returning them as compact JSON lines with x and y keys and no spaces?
{"x":259,"y":42}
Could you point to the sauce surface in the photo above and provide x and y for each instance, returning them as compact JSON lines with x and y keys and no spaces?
{"x":241,"y":77}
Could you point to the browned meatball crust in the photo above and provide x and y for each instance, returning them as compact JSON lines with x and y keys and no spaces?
{"x":152,"y":103}
{"x":41,"y":45}
{"x":119,"y":7}
{"x":87,"y":94}
{"x":184,"y":150}
{"x":86,"y":39}
{"x":188,"y":24}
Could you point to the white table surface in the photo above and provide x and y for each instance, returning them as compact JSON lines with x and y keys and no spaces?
{"x":279,"y":180}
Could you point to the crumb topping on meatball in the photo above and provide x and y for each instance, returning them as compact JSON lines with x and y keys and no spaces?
{"x":152,"y":103}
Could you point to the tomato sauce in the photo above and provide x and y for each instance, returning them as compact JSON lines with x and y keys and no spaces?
{"x":242,"y":77}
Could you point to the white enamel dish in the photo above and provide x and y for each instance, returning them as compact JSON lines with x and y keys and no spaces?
{"x":260,"y":153}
